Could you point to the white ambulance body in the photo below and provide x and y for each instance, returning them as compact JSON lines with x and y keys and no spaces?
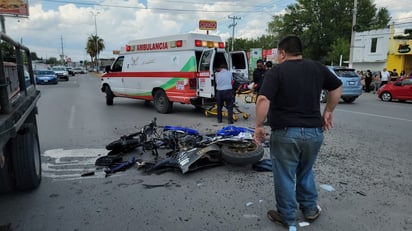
{"x":178,"y":68}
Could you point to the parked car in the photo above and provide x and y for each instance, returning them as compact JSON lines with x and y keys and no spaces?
{"x":45,"y":77}
{"x":400,"y":90}
{"x":351,"y":84}
{"x":79,"y":70}
{"x":70,"y":71}
{"x":61,"y":72}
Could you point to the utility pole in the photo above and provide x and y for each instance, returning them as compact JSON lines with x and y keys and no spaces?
{"x":352,"y":38}
{"x":62,"y":55}
{"x":234,"y":18}
{"x":97,"y":41}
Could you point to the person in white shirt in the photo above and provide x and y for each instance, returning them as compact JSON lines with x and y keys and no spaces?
{"x":384,"y":76}
{"x":224,"y":93}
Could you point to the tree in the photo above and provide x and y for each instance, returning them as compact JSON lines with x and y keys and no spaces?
{"x":340,"y":47}
{"x":94,"y":46}
{"x":321,"y":23}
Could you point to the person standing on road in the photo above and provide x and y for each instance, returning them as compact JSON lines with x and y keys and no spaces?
{"x":385,"y":75}
{"x":258,"y":74}
{"x":377,"y":82}
{"x":368,"y":81}
{"x":290,"y":93}
{"x":224,"y":94}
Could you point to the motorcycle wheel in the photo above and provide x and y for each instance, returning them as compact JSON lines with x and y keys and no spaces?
{"x":239,"y":155}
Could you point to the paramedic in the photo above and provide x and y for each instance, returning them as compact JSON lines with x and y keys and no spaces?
{"x":290,"y":91}
{"x":224,"y":94}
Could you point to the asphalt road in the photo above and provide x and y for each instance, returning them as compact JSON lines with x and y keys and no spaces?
{"x":366,"y":159}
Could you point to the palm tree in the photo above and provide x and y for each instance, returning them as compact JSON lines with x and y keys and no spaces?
{"x":94,"y":46}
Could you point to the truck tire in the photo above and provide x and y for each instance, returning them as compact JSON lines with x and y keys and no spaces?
{"x":162,"y":103}
{"x":26,"y":157}
{"x":109,"y":95}
{"x":6,"y":182}
{"x":242,"y":155}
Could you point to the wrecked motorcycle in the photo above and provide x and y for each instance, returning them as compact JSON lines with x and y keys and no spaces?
{"x":231,"y":144}
{"x":130,"y":142}
{"x":188,"y":149}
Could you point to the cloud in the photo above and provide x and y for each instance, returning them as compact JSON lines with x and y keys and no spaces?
{"x":63,"y":26}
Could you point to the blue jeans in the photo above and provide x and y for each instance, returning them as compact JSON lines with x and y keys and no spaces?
{"x":293,"y":152}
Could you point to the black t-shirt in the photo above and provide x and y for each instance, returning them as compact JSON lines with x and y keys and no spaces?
{"x":293,"y":88}
{"x":258,"y":77}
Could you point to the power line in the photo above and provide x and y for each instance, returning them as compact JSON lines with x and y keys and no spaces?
{"x":152,"y":8}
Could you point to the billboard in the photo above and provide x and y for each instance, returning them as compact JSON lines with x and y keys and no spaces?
{"x":207,"y":25}
{"x":14,"y":7}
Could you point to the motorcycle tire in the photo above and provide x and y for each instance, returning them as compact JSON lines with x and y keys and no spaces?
{"x":242,"y":156}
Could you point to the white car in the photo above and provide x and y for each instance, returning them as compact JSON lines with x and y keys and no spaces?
{"x":61,"y":72}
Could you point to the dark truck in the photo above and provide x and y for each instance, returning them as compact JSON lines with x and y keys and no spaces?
{"x":20,"y":163}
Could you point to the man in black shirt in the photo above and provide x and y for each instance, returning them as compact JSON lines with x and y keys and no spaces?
{"x":258,"y":74}
{"x":291,"y":94}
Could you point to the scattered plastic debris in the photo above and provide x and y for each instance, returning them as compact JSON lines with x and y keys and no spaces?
{"x":361,"y":193}
{"x":261,"y":201}
{"x":249,"y":204}
{"x":250,"y":216}
{"x":326,"y":187}
{"x":292,"y":228}
{"x":150,"y":186}
{"x":304,"y":223}
{"x":88,"y":174}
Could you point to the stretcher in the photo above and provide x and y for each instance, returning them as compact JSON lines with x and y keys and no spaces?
{"x":247,"y":95}
{"x":236,"y":112}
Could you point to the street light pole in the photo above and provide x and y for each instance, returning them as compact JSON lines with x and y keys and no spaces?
{"x":97,"y":41}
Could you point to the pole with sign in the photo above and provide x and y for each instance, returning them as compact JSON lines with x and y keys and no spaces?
{"x":207,"y":25}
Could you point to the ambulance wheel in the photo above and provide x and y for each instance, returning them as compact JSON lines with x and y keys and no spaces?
{"x":109,"y":96}
{"x":162,"y":103}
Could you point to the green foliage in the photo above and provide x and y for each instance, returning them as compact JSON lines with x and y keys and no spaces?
{"x":7,"y":51}
{"x":94,"y":46}
{"x":33,"y":56}
{"x":52,"y":61}
{"x":322,"y":23}
{"x":339,"y":47}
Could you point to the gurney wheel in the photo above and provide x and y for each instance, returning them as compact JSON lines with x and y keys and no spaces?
{"x":206,"y":113}
{"x":245,"y":116}
{"x":235,"y":117}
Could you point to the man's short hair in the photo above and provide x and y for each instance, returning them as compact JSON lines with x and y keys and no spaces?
{"x":292,"y":45}
{"x":259,"y":61}
{"x":223,"y":65}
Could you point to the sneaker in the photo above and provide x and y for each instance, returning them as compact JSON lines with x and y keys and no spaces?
{"x":313,"y":215}
{"x":275,"y":217}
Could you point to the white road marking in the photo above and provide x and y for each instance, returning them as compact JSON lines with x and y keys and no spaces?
{"x":71,"y":118}
{"x":60,"y":164}
{"x":375,"y":115}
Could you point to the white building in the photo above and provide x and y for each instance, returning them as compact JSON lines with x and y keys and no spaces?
{"x":371,"y":49}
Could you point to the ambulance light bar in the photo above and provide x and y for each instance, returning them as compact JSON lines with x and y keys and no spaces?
{"x":209,"y":44}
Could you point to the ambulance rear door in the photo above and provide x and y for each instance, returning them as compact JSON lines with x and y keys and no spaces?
{"x":239,"y":64}
{"x":206,"y":79}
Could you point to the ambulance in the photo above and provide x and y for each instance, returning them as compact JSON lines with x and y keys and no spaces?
{"x":171,"y":69}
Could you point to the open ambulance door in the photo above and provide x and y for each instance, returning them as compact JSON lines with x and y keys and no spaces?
{"x":239,"y":64}
{"x":206,"y":78}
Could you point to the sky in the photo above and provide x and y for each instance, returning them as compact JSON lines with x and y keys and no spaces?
{"x":56,"y":27}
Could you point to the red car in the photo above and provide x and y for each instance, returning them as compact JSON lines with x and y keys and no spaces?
{"x":400,"y":90}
